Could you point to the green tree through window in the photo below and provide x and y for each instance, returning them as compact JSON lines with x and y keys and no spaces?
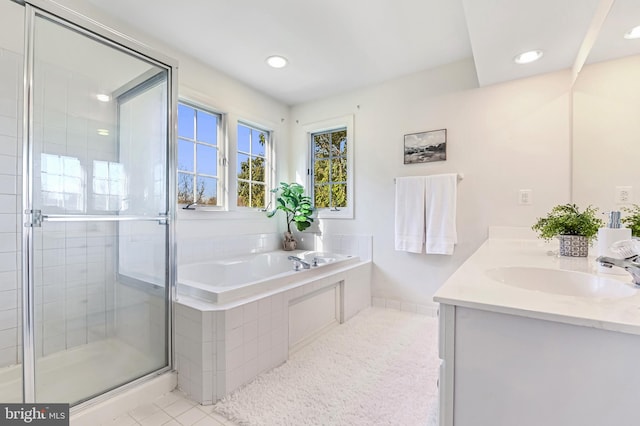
{"x":252,"y":165}
{"x":330,"y":168}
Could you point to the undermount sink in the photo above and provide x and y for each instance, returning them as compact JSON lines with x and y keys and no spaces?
{"x":567,"y":283}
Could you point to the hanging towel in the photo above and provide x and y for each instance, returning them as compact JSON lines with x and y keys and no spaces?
{"x":440,"y":205}
{"x":409,"y":228}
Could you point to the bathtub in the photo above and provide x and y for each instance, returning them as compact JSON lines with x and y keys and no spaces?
{"x":229,"y":279}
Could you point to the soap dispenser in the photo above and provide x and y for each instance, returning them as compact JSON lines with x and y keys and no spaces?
{"x":609,"y":235}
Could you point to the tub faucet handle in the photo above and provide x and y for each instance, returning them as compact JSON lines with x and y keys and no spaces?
{"x":297,"y":262}
{"x":315,"y":261}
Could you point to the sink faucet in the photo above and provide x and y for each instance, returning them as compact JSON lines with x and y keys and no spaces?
{"x":297,"y":261}
{"x":630,"y":264}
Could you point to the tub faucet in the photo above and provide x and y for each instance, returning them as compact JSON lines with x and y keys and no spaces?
{"x":630,"y":264}
{"x":297,"y":261}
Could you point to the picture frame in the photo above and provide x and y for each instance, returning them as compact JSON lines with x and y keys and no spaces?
{"x":425,"y":147}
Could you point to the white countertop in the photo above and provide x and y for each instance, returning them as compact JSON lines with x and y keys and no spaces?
{"x":470,"y":287}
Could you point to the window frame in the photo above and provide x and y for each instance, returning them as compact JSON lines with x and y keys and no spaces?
{"x":324,"y":126}
{"x":268,"y":166}
{"x":221,"y":147}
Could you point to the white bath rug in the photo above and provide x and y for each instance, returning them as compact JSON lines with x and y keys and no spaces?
{"x":379,"y":368}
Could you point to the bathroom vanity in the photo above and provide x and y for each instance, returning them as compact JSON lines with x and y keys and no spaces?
{"x":529,"y":338}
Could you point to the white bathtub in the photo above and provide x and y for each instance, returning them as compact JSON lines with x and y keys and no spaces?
{"x":224,"y":280}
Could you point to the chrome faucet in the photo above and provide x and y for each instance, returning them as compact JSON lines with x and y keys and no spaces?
{"x":297,"y":262}
{"x":629,"y":264}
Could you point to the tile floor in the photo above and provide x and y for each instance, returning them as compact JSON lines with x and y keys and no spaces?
{"x":171,"y":409}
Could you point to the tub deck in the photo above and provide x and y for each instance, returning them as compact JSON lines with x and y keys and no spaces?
{"x":226,"y":280}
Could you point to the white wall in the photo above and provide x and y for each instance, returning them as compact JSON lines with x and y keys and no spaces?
{"x":605,"y":132}
{"x":11,"y":58}
{"x":503,"y":138}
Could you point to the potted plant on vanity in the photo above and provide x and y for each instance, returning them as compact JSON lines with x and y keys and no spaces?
{"x":575,"y":229}
{"x":633,"y":220}
{"x":297,"y":208}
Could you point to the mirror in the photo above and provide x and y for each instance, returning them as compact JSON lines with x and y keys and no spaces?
{"x":606,"y":115}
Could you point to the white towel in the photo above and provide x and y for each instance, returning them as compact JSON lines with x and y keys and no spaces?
{"x":409,"y":228}
{"x":440,"y":204}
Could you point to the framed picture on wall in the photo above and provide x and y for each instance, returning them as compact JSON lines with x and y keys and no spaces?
{"x":425,"y":147}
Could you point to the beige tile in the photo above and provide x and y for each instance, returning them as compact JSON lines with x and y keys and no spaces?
{"x":156,"y":419}
{"x":172,"y":422}
{"x":144,"y":411}
{"x":208,"y":421}
{"x":190,"y":417}
{"x":179,"y":407}
{"x":124,"y":420}
{"x":167,"y":399}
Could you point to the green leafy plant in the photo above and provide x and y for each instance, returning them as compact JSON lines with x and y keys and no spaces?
{"x":633,"y":220}
{"x":295,"y":204}
{"x":566,"y":219}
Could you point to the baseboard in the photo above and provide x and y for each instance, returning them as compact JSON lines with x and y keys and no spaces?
{"x":430,"y":310}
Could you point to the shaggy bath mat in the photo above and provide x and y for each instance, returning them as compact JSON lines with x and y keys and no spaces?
{"x":379,"y":368}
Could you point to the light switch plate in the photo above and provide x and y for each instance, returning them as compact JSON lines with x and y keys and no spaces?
{"x":624,"y":194}
{"x":525,"y":197}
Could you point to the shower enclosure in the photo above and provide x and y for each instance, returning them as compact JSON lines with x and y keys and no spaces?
{"x":86,"y":207}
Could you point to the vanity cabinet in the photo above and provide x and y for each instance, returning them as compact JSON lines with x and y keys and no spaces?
{"x":504,"y":369}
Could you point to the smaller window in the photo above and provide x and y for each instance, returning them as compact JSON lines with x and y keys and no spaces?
{"x":198,"y":156}
{"x":252,"y":165}
{"x":331,"y":167}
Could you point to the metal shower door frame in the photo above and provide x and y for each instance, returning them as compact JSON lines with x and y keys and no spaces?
{"x":33,"y":218}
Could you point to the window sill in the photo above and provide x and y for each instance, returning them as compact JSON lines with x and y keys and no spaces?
{"x":345,"y":213}
{"x":204,"y":213}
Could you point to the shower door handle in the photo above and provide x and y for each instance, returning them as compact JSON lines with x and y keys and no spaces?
{"x":162,"y":219}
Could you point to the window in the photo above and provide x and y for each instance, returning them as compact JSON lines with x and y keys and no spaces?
{"x":330,"y":168}
{"x":252,"y":166}
{"x":330,"y":174}
{"x":198,"y":156}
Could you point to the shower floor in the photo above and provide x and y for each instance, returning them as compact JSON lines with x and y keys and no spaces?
{"x":79,"y":373}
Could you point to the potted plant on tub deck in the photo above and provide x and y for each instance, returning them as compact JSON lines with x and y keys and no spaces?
{"x":297,"y":208}
{"x":574,"y":229}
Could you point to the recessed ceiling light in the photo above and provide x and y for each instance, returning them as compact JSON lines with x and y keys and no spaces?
{"x":528,"y":57}
{"x":277,"y":61}
{"x":633,"y":33}
{"x":103,"y":98}
{"x":103,"y":132}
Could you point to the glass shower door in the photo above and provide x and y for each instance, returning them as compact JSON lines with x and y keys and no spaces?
{"x":99,"y":196}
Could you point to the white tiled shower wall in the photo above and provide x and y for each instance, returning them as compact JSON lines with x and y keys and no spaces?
{"x":74,"y":278}
{"x":10,"y":205}
{"x":74,"y":262}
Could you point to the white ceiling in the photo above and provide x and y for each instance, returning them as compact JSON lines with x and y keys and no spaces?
{"x":624,"y":15}
{"x":339,"y":45}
